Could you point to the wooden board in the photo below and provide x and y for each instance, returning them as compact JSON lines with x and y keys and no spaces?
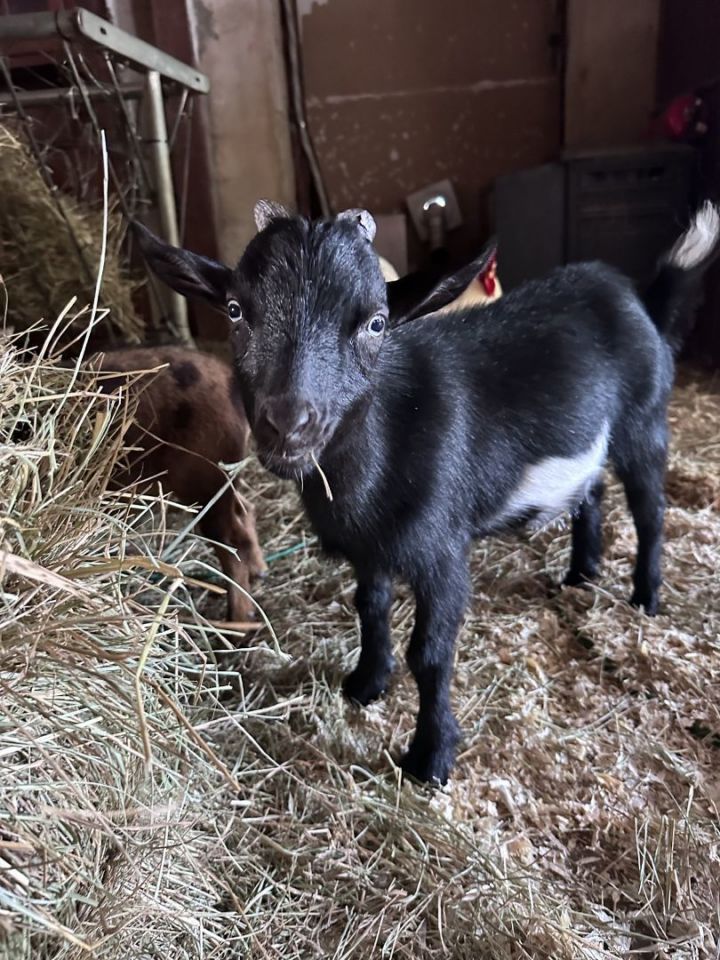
{"x":611,"y":70}
{"x":403,"y":93}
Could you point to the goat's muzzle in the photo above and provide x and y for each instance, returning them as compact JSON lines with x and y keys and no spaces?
{"x":288,"y":432}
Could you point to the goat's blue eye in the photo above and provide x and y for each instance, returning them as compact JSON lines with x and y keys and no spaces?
{"x":376,"y":325}
{"x":234,"y":310}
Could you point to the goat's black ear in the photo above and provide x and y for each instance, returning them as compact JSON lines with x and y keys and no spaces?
{"x":265,"y":211}
{"x":188,"y":273}
{"x":434,"y":287}
{"x":363,"y":218}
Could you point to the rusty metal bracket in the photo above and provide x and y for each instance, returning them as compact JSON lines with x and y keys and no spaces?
{"x":79,"y":24}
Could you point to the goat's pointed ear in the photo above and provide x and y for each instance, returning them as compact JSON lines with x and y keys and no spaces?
{"x":265,"y":211}
{"x":434,"y":287}
{"x":187,"y":273}
{"x":363,"y":219}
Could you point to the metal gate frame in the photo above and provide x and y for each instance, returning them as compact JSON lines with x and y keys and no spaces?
{"x":77,"y":28}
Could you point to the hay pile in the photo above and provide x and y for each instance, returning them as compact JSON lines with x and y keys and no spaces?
{"x":39,"y":260}
{"x":109,"y":800}
{"x":581,"y":822}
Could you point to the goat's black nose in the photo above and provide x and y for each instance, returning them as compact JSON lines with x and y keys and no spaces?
{"x":305,"y":419}
{"x":289,"y":424}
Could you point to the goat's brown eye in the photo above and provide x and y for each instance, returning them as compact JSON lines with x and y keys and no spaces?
{"x":234,"y":310}
{"x":376,"y":326}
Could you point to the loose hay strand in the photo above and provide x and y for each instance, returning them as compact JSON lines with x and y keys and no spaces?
{"x":326,"y":484}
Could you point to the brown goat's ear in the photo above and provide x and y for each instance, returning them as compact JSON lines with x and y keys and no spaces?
{"x":265,"y":211}
{"x":187,"y":273}
{"x":363,"y":219}
{"x":434,"y":287}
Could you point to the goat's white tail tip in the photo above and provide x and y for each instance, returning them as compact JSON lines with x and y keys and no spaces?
{"x":699,"y":240}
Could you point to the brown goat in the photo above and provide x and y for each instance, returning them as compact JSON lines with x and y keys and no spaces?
{"x":189,"y":418}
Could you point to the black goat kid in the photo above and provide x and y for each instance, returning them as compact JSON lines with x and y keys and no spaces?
{"x":433,"y":432}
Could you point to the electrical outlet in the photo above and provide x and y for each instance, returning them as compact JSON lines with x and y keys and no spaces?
{"x":418,"y":201}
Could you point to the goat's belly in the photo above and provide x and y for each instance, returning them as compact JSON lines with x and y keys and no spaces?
{"x":555,"y":486}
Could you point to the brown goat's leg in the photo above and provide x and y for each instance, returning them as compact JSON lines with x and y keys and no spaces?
{"x":246,"y":541}
{"x":239,"y":605}
{"x":231,"y":545}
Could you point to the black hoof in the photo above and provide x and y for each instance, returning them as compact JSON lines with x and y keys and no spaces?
{"x":362,"y":688}
{"x":433,"y":767}
{"x":579,"y":578}
{"x":432,"y":764}
{"x":649,"y":602}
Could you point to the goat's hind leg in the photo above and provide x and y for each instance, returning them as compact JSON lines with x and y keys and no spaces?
{"x":642,"y":473}
{"x":369,"y":679}
{"x":586,"y":538}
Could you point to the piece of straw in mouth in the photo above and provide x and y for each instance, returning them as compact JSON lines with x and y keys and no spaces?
{"x":320,"y":470}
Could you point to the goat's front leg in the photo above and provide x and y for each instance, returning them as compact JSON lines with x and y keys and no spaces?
{"x":369,"y":679}
{"x":236,"y":546}
{"x":441,"y":599}
{"x":245,"y":538}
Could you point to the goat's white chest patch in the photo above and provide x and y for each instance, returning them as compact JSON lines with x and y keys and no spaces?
{"x":553,"y":486}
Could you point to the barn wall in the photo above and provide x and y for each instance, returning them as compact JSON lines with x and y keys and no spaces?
{"x":690,"y":61}
{"x":241,"y":140}
{"x":244,"y":121}
{"x":611,"y":69}
{"x":401,"y":93}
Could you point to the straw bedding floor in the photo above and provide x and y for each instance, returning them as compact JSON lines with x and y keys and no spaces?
{"x":582,"y":819}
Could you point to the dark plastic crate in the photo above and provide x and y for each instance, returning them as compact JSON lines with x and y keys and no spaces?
{"x":529,"y":215}
{"x":627,"y":206}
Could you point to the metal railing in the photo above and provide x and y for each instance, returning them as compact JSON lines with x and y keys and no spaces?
{"x":104,"y":74}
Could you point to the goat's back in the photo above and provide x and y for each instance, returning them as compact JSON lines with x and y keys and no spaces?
{"x":564,"y":349}
{"x":465,"y":402}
